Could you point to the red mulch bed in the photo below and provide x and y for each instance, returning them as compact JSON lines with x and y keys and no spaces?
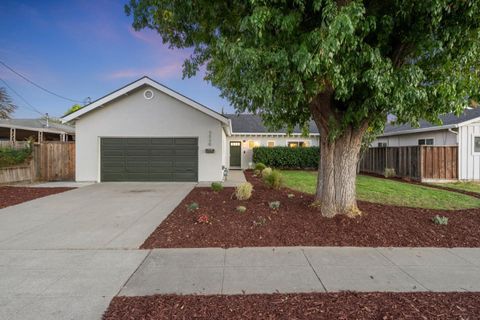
{"x":296,"y":223}
{"x":10,"y":196}
{"x":345,"y":305}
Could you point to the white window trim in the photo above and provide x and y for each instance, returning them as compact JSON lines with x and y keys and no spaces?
{"x":418,"y":140}
{"x":473,"y":144}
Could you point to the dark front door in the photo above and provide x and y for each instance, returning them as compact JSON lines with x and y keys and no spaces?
{"x":235,"y":154}
{"x":149,"y":159}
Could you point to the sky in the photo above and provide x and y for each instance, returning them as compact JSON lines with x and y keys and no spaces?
{"x":80,"y":49}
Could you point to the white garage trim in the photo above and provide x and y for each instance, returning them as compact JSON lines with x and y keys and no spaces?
{"x":136,"y":84}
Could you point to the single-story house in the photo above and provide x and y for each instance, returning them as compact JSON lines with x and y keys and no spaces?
{"x":39,"y":130}
{"x":462,"y":131}
{"x":145,"y":131}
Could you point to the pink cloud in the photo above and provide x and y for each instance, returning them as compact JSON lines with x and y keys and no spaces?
{"x":164,"y":72}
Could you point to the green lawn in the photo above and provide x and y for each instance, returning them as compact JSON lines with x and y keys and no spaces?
{"x":465,"y":186}
{"x":388,"y":192}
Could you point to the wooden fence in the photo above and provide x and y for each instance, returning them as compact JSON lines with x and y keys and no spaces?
{"x":414,"y":162}
{"x":51,"y":161}
{"x":54,"y":161}
{"x":14,"y":145}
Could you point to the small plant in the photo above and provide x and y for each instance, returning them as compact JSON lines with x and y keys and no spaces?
{"x":260,"y":221}
{"x":441,"y":220}
{"x":266,"y":172}
{"x":241,"y":209}
{"x":192,"y":207}
{"x":290,"y":195}
{"x":389,"y":173}
{"x":260,"y":166}
{"x":203,"y":219}
{"x":244,"y":191}
{"x":217,"y":186}
{"x":274,"y":179}
{"x":274,"y":205}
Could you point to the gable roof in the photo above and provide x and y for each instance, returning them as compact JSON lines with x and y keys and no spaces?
{"x":251,"y":123}
{"x":449,"y":121}
{"x":37,"y":125}
{"x":137,"y":84}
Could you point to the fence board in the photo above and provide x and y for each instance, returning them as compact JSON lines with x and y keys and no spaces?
{"x":405,"y":161}
{"x":440,"y":162}
{"x":54,"y":161}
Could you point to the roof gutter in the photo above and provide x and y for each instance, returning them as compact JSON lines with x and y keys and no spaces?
{"x":419,"y":130}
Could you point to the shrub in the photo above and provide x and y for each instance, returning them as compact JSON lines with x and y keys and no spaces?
{"x":192,"y":207}
{"x":260,"y":166}
{"x":261,"y":221}
{"x":274,"y":205}
{"x":389,"y":173}
{"x":440,"y":220}
{"x":244,"y":191}
{"x":12,"y":157}
{"x":266,"y":172}
{"x":274,"y":180}
{"x":241,"y":209}
{"x":217,"y":186}
{"x":287,"y":158}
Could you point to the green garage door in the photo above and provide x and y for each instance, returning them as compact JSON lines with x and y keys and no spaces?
{"x":149,"y":159}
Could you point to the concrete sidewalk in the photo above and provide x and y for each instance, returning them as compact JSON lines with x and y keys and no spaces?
{"x":309,"y":269}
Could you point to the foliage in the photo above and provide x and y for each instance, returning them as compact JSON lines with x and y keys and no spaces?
{"x":244,"y":191}
{"x":389,"y":173}
{"x":404,"y":57}
{"x":259,"y":166}
{"x":192,"y":207}
{"x":260,"y":221}
{"x":11,"y":157}
{"x":203,"y":219}
{"x":390,"y":192}
{"x":441,"y":220}
{"x":241,"y":209}
{"x":274,"y":205}
{"x":286,"y":157}
{"x":72,"y":109}
{"x":217,"y":186}
{"x":266,"y":172}
{"x":274,"y":179}
{"x":6,"y":104}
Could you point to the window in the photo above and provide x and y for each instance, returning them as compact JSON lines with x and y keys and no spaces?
{"x":296,"y":144}
{"x":425,"y":142}
{"x":476,"y":144}
{"x":382,"y":144}
{"x":270,"y":144}
{"x":252,"y":144}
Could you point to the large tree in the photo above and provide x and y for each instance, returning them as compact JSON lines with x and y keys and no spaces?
{"x":6,"y":105}
{"x":346,"y":64}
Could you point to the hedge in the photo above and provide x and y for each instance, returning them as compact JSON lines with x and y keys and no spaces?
{"x":11,"y":156}
{"x":287,"y":157}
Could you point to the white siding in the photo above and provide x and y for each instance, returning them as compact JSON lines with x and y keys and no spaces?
{"x":247,"y":152}
{"x":134,"y":116}
{"x":441,"y":138}
{"x":469,"y":162}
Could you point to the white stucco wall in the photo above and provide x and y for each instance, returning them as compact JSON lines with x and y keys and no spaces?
{"x":134,"y":116}
{"x":441,"y":138}
{"x":469,"y":161}
{"x":247,"y":152}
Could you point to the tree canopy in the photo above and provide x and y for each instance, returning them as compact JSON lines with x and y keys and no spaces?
{"x":72,"y":109}
{"x":6,"y":104}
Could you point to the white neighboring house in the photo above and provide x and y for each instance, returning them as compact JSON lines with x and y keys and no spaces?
{"x":145,"y":131}
{"x":462,"y":131}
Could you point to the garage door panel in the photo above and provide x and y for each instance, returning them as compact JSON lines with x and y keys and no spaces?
{"x":149,"y":159}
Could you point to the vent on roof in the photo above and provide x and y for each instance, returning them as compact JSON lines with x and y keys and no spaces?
{"x":148,"y":94}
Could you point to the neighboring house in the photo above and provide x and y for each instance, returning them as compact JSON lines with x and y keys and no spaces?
{"x":462,"y":131}
{"x":148,"y":132}
{"x":39,"y":130}
{"x":248,"y":131}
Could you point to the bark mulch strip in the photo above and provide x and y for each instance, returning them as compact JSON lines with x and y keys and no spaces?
{"x":297,"y":223}
{"x":345,"y":305}
{"x":10,"y":196}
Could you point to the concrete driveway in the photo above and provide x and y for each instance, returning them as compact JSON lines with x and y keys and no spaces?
{"x":65,"y":256}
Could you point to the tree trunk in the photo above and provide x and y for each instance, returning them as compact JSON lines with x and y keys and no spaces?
{"x":336,"y":191}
